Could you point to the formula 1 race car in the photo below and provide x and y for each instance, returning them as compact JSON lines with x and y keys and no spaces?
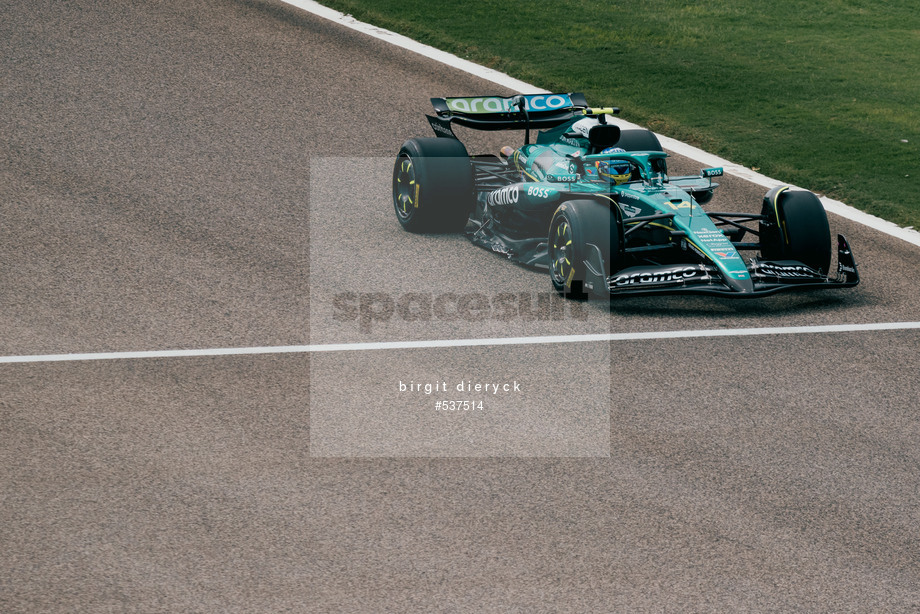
{"x":593,"y":204}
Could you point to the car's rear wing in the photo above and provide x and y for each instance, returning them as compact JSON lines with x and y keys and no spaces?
{"x":521,"y":112}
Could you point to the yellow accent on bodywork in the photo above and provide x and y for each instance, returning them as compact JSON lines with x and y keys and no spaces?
{"x":655,"y":224}
{"x":516,"y":160}
{"x":782,"y":223}
{"x":699,"y":249}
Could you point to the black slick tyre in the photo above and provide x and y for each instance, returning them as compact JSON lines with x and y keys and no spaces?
{"x":582,"y":234}
{"x":639,"y":140}
{"x":642,"y":140}
{"x":795,"y":228}
{"x":433,"y":185}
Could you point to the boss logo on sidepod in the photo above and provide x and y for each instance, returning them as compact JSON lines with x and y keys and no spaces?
{"x":538,"y":191}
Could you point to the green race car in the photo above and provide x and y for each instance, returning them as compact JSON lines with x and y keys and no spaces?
{"x":594,"y":205}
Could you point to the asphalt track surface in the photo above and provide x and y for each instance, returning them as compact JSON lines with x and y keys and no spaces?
{"x":207,"y":175}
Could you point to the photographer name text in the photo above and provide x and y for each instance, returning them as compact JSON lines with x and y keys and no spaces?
{"x":463,"y":386}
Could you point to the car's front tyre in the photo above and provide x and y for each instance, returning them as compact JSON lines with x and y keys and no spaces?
{"x":584,"y":240}
{"x":795,"y":228}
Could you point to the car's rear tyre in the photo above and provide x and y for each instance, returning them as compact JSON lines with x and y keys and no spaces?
{"x":583,"y":233}
{"x":433,"y":185}
{"x":638,"y":140}
{"x":795,"y":228}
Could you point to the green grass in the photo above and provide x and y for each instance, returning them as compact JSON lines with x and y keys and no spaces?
{"x":819,"y":93}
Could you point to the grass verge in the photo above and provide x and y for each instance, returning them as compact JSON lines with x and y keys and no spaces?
{"x":820,"y":93}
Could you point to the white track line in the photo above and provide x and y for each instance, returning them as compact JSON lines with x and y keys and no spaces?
{"x":694,"y":153}
{"x":444,"y":343}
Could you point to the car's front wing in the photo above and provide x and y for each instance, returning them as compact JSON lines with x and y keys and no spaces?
{"x":767,"y":277}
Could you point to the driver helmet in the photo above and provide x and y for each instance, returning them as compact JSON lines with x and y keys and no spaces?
{"x":614,"y":171}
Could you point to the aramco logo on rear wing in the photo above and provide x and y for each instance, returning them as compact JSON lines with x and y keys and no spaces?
{"x":533,"y":102}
